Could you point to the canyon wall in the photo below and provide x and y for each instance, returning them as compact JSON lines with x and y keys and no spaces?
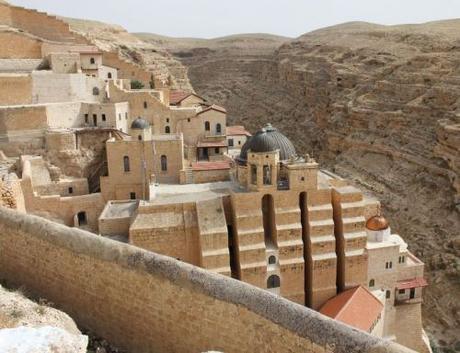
{"x":377,"y":104}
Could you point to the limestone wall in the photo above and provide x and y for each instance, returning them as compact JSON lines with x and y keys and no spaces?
{"x":38,"y":23}
{"x":24,"y":47}
{"x":15,"y":89}
{"x":144,"y":302}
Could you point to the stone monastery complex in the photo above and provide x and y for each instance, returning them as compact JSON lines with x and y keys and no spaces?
{"x":85,"y":146}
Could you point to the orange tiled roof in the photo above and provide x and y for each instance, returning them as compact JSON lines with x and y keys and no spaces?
{"x":237,"y":130}
{"x":213,"y":107}
{"x":412,"y":283}
{"x":356,"y":307}
{"x":218,"y":165}
{"x":175,"y":97}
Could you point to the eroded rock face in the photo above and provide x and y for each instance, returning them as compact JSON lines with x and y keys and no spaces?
{"x":369,"y":101}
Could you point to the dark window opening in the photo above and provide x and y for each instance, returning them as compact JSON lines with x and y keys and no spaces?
{"x":95,"y":119}
{"x":230,"y":142}
{"x":164,"y":163}
{"x":268,"y":214}
{"x":218,"y":129}
{"x":239,"y":142}
{"x":109,"y":75}
{"x":267,"y":175}
{"x":216,"y":150}
{"x":253,"y":174}
{"x":126,"y":163}
{"x":188,"y":120}
{"x":371,"y":283}
{"x":273,"y":282}
{"x":272,"y":260}
{"x":388,"y":294}
{"x":167,"y":130}
{"x":119,"y":116}
{"x":86,"y":118}
{"x":70,"y":190}
{"x":167,"y":120}
{"x":82,"y":218}
{"x":132,"y":195}
{"x":104,"y":117}
{"x":402,"y":291}
{"x":207,"y":126}
{"x":95,"y":91}
{"x":145,"y":105}
{"x":92,"y":61}
{"x":139,"y":137}
{"x":126,"y":116}
{"x":412,"y":293}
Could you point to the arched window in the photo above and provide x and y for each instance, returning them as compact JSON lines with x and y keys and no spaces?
{"x":164,"y":163}
{"x":273,"y":282}
{"x":371,"y":283}
{"x":167,"y":130}
{"x":207,"y":126}
{"x":126,"y":163}
{"x":95,"y":91}
{"x":82,"y":218}
{"x":218,"y":129}
{"x":109,"y":75}
{"x":145,"y":105}
{"x":272,"y":260}
{"x":139,"y":137}
{"x":92,"y":61}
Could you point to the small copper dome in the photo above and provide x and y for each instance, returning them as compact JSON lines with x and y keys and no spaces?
{"x":377,"y":223}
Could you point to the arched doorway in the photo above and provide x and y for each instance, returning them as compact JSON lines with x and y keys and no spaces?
{"x":273,"y":282}
{"x":82,"y":220}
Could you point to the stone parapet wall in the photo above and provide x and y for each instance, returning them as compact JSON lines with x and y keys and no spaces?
{"x":144,"y":302}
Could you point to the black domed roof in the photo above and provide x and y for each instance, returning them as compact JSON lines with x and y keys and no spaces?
{"x":140,"y":123}
{"x":268,"y":139}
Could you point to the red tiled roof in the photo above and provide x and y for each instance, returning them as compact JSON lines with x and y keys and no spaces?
{"x":237,"y":130}
{"x":412,"y":283}
{"x":218,"y":165}
{"x":212,"y":144}
{"x":356,"y":307}
{"x":213,"y":107}
{"x":175,"y":97}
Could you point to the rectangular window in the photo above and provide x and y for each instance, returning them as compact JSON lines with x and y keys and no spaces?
{"x":103,"y":117}
{"x":230,"y":142}
{"x":86,"y":118}
{"x":216,"y":150}
{"x":253,"y":174}
{"x":126,"y":116}
{"x":132,"y":195}
{"x":70,"y":190}
{"x":267,"y":175}
{"x":402,"y":291}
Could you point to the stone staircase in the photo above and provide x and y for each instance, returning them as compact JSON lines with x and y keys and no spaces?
{"x":213,"y":235}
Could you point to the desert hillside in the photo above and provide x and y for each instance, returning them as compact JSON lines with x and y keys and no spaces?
{"x":111,"y":37}
{"x":377,"y":104}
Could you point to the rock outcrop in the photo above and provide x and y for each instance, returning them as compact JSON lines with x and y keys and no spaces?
{"x":377,"y":104}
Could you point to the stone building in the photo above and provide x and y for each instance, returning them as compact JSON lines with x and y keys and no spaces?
{"x":163,"y":171}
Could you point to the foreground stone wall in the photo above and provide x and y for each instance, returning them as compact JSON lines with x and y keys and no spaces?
{"x":146,"y":302}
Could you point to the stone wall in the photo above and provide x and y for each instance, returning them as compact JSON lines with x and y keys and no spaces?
{"x":144,"y":302}
{"x":24,"y":47}
{"x":15,"y":89}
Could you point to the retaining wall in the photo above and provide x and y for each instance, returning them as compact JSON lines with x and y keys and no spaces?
{"x":144,"y":302}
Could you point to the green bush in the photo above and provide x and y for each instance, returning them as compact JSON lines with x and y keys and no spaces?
{"x":135,"y":84}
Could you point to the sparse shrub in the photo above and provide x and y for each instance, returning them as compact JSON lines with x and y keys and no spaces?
{"x":16,"y":314}
{"x":135,"y":84}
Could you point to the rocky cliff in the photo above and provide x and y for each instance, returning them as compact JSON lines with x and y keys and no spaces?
{"x":377,"y":104}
